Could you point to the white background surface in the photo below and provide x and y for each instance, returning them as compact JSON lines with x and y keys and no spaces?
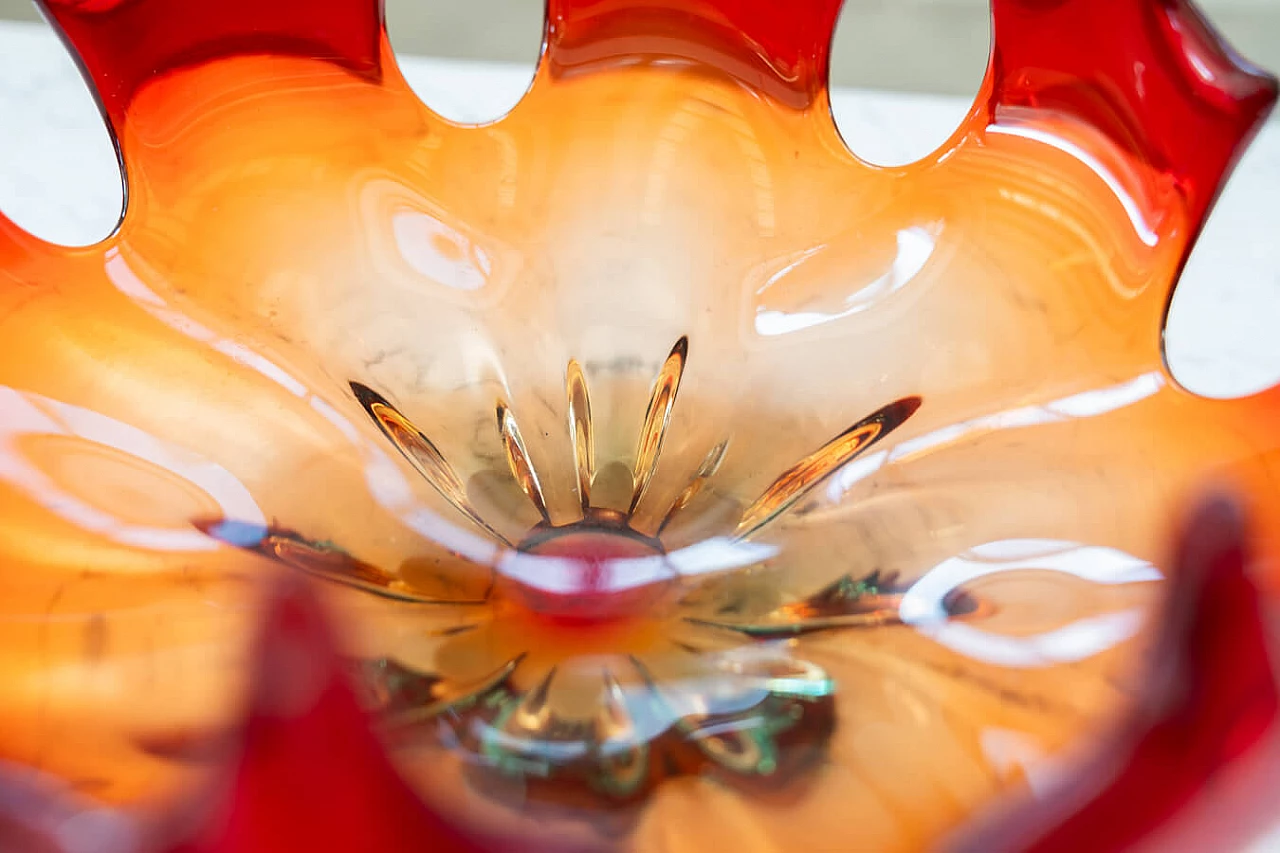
{"x":902,"y":45}
{"x":58,"y":178}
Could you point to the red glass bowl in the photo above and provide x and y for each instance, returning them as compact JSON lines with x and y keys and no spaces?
{"x":671,"y":478}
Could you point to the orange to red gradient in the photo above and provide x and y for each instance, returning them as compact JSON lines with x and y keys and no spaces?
{"x":678,"y":479}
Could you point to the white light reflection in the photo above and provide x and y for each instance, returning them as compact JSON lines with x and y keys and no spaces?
{"x":915,"y":246}
{"x":718,"y":554}
{"x":567,"y":576}
{"x":1140,"y":226}
{"x":127,"y":282}
{"x":439,"y":252}
{"x":1007,"y":750}
{"x":563,"y":575}
{"x":852,"y":473}
{"x":923,"y":605}
{"x":24,"y":413}
{"x":1086,"y":404}
{"x":1076,"y":642}
{"x":386,"y":482}
{"x":1102,"y":400}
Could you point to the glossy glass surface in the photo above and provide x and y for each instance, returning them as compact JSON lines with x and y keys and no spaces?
{"x":683,"y":481}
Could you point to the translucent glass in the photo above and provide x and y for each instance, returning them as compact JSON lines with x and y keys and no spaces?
{"x":680,"y":480}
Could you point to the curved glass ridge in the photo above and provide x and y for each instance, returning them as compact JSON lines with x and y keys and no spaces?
{"x":678,"y":480}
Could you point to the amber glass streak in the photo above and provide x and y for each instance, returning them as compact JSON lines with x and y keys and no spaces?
{"x":514,"y":295}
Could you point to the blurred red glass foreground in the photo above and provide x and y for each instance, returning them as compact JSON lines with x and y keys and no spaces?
{"x":1192,"y":767}
{"x":669,"y":478}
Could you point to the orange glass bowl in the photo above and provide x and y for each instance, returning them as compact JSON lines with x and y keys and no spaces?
{"x":678,"y":480}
